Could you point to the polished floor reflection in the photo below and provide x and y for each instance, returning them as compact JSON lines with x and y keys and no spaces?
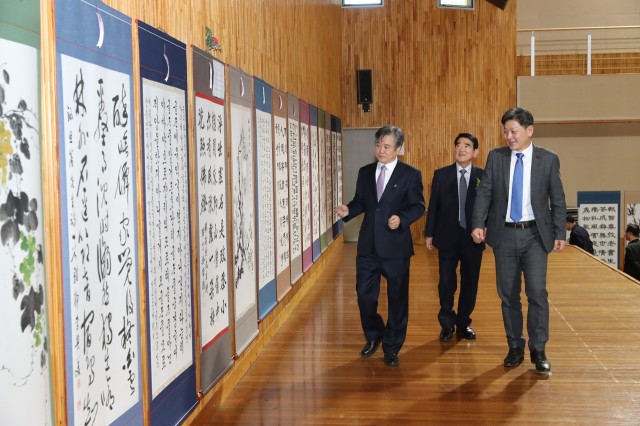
{"x":311,"y":372}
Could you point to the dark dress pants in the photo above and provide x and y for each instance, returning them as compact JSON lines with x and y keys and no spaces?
{"x":369,"y":269}
{"x":464,"y":252}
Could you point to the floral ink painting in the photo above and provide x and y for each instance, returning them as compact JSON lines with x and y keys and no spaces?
{"x":24,"y":362}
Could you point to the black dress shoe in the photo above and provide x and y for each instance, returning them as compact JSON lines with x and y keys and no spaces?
{"x":540,"y":360}
{"x":514,"y":358}
{"x":391,"y":359}
{"x":446,"y":334}
{"x":466,"y":333}
{"x":370,"y":347}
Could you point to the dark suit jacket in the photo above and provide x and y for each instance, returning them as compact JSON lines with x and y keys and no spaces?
{"x":632,"y":259}
{"x":402,"y":196}
{"x":580,"y":237}
{"x":547,"y":196}
{"x":442,"y":214}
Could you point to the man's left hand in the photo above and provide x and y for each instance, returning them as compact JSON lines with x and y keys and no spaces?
{"x":394,"y":222}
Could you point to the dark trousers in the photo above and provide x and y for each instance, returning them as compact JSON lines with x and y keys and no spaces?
{"x":464,"y":252}
{"x":369,"y":270}
{"x":521,"y":252}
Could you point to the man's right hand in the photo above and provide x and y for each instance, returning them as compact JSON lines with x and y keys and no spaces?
{"x":428,"y":242}
{"x":342,"y":211}
{"x":478,"y":235}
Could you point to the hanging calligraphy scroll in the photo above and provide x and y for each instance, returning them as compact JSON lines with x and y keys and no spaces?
{"x":265,"y":194}
{"x":99,"y":222}
{"x":305,"y":186}
{"x":25,"y":382}
{"x":323,"y":166}
{"x":163,"y":70}
{"x":295,"y":218}
{"x":281,"y":179}
{"x":338,"y":172}
{"x":599,"y":214}
{"x":330,"y":177}
{"x":243,"y":208}
{"x":211,"y":176}
{"x":315,"y":181}
{"x":632,"y":208}
{"x":335,"y":220}
{"x":631,"y":215}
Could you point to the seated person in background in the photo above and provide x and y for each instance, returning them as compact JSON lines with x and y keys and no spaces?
{"x":632,"y":251}
{"x":579,"y":236}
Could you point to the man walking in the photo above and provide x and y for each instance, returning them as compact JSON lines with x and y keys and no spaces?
{"x":521,"y":203}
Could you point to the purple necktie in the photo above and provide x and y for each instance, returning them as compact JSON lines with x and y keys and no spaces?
{"x":380,"y":181}
{"x":462,"y":194}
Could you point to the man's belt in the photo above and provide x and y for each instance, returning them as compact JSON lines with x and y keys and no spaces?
{"x":520,"y":225}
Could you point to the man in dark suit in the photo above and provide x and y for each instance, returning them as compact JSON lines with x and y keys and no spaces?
{"x":632,"y":251}
{"x":520,"y":208}
{"x":453,"y":193}
{"x":389,"y":193}
{"x":579,"y":236}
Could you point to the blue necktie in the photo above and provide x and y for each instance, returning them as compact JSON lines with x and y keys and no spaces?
{"x":516,"y":190}
{"x":462,"y":194}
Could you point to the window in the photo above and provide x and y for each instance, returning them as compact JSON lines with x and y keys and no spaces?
{"x":362,"y":3}
{"x":456,"y":4}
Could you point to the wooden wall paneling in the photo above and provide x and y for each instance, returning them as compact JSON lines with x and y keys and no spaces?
{"x":576,"y":64}
{"x":293,"y":45}
{"x":435,"y":73}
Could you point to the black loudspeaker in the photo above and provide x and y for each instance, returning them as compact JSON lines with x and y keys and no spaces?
{"x":363,"y":81}
{"x":500,"y":3}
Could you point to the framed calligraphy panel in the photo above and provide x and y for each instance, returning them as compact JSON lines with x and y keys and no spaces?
{"x":339,"y":187}
{"x":315,"y":181}
{"x":323,"y":166}
{"x":281,"y":180}
{"x":165,"y":146}
{"x":265,"y":192}
{"x":99,"y":220}
{"x":336,"y":166}
{"x":305,"y":186}
{"x":243,"y":207}
{"x":295,"y":214}
{"x":213,"y":240}
{"x":632,"y":216}
{"x":632,"y":208}
{"x":329,"y":177}
{"x":599,"y":214}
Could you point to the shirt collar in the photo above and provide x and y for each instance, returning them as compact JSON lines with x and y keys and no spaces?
{"x":390,"y":166}
{"x":528,"y":152}
{"x":459,"y":167}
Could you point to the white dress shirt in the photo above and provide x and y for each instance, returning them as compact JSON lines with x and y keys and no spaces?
{"x":390,"y":167}
{"x":527,"y":211}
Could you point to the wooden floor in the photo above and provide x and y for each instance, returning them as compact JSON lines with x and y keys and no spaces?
{"x":311,"y":372}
